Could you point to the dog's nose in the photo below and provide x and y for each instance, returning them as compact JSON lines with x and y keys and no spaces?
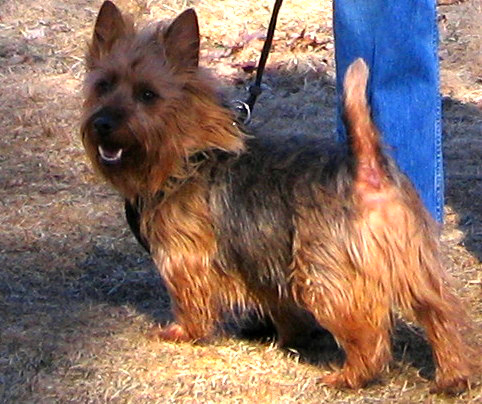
{"x":103,"y":125}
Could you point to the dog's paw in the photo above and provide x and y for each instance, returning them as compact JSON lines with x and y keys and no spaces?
{"x":335,"y":379}
{"x":450,"y":386}
{"x":173,"y":332}
{"x":342,"y":380}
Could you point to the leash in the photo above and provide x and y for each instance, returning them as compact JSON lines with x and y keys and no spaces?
{"x":245,"y":108}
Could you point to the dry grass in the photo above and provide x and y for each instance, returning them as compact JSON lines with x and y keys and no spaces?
{"x":77,"y":293}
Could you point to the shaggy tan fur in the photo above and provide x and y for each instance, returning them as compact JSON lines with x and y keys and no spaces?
{"x":359,"y":243}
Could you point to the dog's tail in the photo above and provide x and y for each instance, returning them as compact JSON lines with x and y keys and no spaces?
{"x":363,"y":136}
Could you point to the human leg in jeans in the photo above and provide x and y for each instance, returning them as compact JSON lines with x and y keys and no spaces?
{"x":398,"y":40}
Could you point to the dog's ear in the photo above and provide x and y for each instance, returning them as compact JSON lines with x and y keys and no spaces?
{"x":109,"y":27}
{"x":181,"y":41}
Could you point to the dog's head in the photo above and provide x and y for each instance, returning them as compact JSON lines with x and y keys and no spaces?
{"x":147,"y":108}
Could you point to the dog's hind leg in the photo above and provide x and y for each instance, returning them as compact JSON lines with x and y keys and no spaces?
{"x":442,"y":321}
{"x":423,"y":292}
{"x":355,"y":310}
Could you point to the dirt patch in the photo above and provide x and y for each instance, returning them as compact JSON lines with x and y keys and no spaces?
{"x":77,"y":293}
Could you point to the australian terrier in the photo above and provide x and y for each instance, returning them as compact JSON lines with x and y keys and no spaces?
{"x":285,"y":225}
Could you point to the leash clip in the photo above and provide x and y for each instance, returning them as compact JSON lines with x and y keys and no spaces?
{"x":243,"y":111}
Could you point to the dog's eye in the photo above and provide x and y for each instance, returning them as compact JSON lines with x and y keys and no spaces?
{"x":148,"y":96}
{"x":103,"y":87}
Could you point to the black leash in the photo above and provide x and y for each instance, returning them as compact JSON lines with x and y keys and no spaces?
{"x":245,"y":108}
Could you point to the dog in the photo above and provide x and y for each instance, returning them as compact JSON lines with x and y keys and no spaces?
{"x":289,"y":226}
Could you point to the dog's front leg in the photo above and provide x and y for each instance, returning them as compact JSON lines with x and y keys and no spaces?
{"x":194,"y":288}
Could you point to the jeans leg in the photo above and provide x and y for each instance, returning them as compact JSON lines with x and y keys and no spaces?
{"x":398,"y":40}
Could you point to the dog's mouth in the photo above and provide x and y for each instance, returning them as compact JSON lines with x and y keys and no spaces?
{"x":110,"y":156}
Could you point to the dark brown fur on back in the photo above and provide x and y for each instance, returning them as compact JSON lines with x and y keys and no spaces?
{"x":294,"y":227}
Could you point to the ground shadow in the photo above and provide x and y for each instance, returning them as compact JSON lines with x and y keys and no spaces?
{"x":125,"y":279}
{"x":463,"y":161}
{"x":116,"y":278}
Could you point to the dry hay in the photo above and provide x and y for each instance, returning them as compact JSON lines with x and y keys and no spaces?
{"x":77,"y":293}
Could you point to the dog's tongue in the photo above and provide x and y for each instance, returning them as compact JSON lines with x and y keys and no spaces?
{"x":111,"y":154}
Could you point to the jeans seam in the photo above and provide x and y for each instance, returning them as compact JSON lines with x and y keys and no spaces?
{"x":439,"y":173}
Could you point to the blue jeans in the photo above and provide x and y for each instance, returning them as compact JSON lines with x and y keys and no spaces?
{"x":398,"y":39}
